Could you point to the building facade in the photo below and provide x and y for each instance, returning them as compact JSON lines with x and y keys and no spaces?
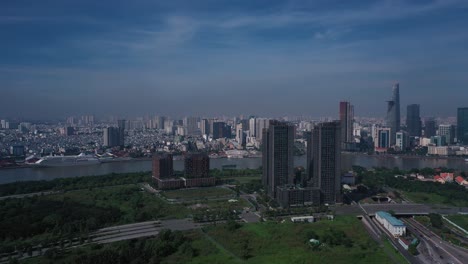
{"x":462,"y":125}
{"x":413,"y":120}
{"x":393,"y":112}
{"x":326,"y":161}
{"x":393,"y":225}
{"x":346,"y":122}
{"x":277,"y":158}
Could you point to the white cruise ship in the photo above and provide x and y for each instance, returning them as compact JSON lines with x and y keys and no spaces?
{"x":60,"y":161}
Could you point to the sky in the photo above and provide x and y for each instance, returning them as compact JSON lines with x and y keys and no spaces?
{"x":214,"y":57}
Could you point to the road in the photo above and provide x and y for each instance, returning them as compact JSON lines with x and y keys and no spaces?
{"x":439,"y":250}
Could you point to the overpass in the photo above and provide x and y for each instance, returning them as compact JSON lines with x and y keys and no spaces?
{"x":399,"y":209}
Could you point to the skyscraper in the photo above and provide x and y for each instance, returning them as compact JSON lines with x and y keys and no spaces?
{"x":462,"y":124}
{"x":346,"y":121}
{"x":326,"y":161}
{"x":393,"y":112}
{"x":277,"y":159}
{"x":121,"y":126}
{"x":413,"y":120}
{"x":429,"y":127}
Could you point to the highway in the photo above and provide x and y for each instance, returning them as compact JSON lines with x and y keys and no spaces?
{"x":439,"y":250}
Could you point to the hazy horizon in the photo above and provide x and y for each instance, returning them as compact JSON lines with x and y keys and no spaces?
{"x":270,"y":58}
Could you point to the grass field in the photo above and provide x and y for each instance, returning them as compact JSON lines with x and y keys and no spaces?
{"x":461,"y":220}
{"x":272,"y":242}
{"x":435,"y":199}
{"x":198,"y":194}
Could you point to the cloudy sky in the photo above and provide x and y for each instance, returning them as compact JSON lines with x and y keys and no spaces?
{"x":263,"y":57}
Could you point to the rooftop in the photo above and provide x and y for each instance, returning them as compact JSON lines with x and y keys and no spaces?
{"x":392,"y":220}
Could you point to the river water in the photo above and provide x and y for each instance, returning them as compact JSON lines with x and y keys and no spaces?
{"x":348,"y":160}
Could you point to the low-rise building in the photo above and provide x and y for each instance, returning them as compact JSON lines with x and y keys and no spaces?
{"x":393,"y":225}
{"x":294,"y":196}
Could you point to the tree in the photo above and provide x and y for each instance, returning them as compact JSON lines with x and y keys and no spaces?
{"x":246,"y":249}
{"x":412,"y":250}
{"x":436,"y":220}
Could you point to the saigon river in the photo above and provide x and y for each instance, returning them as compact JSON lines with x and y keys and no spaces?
{"x":348,"y":160}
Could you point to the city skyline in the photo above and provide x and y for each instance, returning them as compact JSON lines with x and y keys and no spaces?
{"x":197,"y":59}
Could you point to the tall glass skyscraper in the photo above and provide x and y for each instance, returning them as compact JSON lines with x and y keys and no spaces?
{"x":462,"y":124}
{"x":413,"y":120}
{"x":393,"y":113}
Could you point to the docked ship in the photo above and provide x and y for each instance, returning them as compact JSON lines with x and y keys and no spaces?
{"x":61,"y":161}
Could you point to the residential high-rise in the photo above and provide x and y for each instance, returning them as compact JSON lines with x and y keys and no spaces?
{"x":111,"y":137}
{"x":163,"y":167}
{"x":205,"y":127}
{"x":326,"y":161}
{"x":413,"y":120}
{"x":240,"y":135}
{"x":429,"y":127}
{"x":462,"y":125}
{"x":393,"y":112}
{"x":260,"y":124}
{"x":447,"y":131}
{"x":121,"y":126}
{"x":253,"y":127}
{"x":221,"y":130}
{"x":197,"y":165}
{"x":346,"y":121}
{"x":277,"y":158}
{"x":191,"y":124}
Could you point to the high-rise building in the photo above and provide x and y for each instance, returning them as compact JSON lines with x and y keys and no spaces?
{"x":429,"y":127}
{"x":413,"y":120}
{"x":163,"y":166}
{"x":326,"y":161}
{"x":447,"y":131}
{"x":197,"y":165}
{"x":260,"y":124}
{"x":160,"y":120}
{"x":462,"y":125}
{"x":240,"y":135}
{"x":121,"y":126}
{"x":346,"y":122}
{"x":205,"y":127}
{"x":393,"y":112}
{"x":402,"y":140}
{"x":163,"y":172}
{"x":111,"y":137}
{"x":253,"y":126}
{"x":221,"y":130}
{"x":382,"y":138}
{"x":277,"y":158}
{"x":191,"y":124}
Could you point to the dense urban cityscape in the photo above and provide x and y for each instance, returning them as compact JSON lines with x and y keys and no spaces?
{"x":235,"y":132}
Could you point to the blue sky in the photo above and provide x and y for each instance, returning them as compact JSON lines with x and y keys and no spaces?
{"x":269,"y":58}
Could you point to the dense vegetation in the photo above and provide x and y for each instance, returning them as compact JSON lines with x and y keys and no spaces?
{"x":73,"y":183}
{"x":57,"y":217}
{"x":452,"y":193}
